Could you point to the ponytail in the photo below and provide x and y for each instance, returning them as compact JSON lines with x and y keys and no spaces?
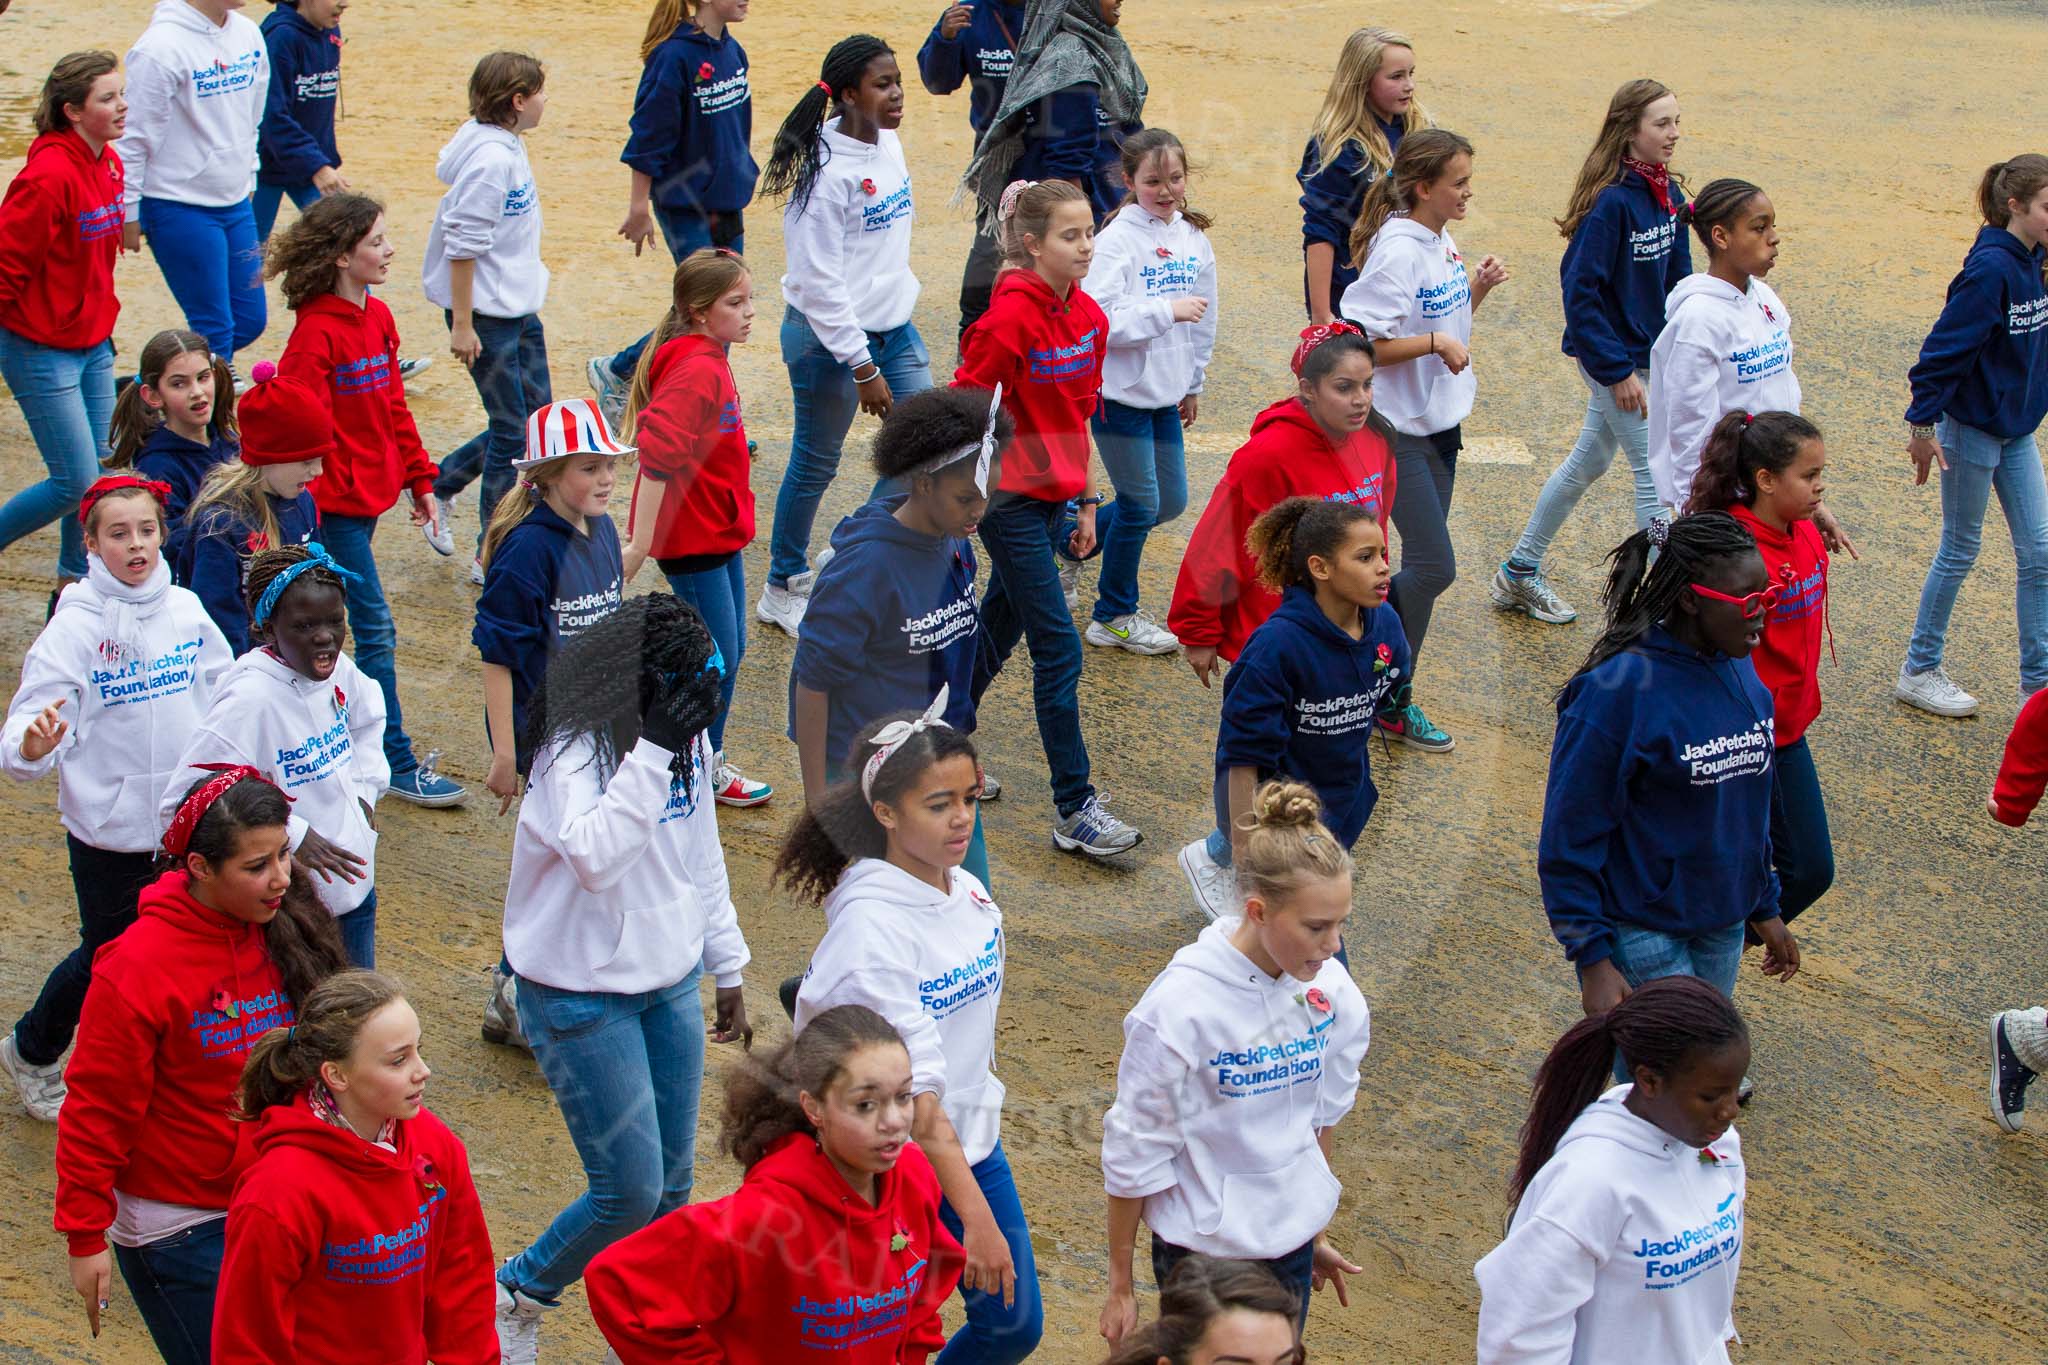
{"x":799,"y":150}
{"x":1423,"y":156}
{"x":2020,"y":179}
{"x":1639,"y":593}
{"x":516,"y":504}
{"x":135,"y":419}
{"x":761,"y":1104}
{"x":1740,"y":444}
{"x":1292,"y":531}
{"x":666,"y":18}
{"x":285,"y":1061}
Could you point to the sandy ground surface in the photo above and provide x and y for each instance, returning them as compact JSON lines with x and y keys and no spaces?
{"x":1889,"y":1217}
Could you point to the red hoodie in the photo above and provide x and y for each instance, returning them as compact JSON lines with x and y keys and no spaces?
{"x":1788,"y":656}
{"x":1047,"y":355}
{"x":691,"y":438}
{"x":2024,"y":772}
{"x":1218,"y":600}
{"x":339,"y":1251}
{"x":60,"y":230}
{"x":175,"y":1004}
{"x":349,"y":356}
{"x":791,"y":1266}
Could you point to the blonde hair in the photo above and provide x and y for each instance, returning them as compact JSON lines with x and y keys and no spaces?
{"x":1026,"y":211}
{"x":667,"y":17}
{"x":285,"y":1061}
{"x":701,"y":279}
{"x":234,"y":489}
{"x":1346,"y":118}
{"x":135,"y":419}
{"x":1424,"y":156}
{"x":1603,"y":163}
{"x":519,"y":501}
{"x":1286,"y":846}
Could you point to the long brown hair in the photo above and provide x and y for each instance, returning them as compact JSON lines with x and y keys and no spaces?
{"x":761,"y":1105}
{"x":2021,"y":178}
{"x":70,"y":82}
{"x":1347,"y":118}
{"x":1424,"y":156}
{"x":135,"y":418}
{"x":285,"y":1061}
{"x":1603,"y":163}
{"x":305,"y":252}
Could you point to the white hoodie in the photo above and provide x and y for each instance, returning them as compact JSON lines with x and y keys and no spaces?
{"x":490,"y":215}
{"x":618,"y":883}
{"x":1722,"y":350}
{"x":932,"y":965}
{"x":322,"y":742}
{"x":1227,"y":1076}
{"x":1625,"y":1248}
{"x":1141,"y":266}
{"x":1414,"y":283}
{"x":130,"y":704}
{"x":849,"y":245}
{"x":195,"y":102}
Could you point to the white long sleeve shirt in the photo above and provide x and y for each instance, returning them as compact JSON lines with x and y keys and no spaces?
{"x":490,"y":215}
{"x":1142,"y":266}
{"x":930,"y":963}
{"x":195,"y":104}
{"x":849,"y":245}
{"x":1414,"y":283}
{"x":1722,"y":350}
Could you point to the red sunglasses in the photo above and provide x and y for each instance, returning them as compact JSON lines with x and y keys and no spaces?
{"x":1756,"y":601}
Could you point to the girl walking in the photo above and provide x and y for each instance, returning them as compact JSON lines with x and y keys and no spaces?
{"x":1980,"y":389}
{"x":109,"y":690}
{"x":1220,"y":1141}
{"x":913,"y":936}
{"x":1369,"y":107}
{"x":1416,"y":300}
{"x":822,"y":1130}
{"x":358,"y":1208}
{"x":60,"y":230}
{"x":174,"y":424}
{"x":227,"y":943}
{"x":620,"y":909}
{"x":1629,"y":1201}
{"x":847,"y":337}
{"x":693,"y":499}
{"x":344,"y":347}
{"x":975,"y":45}
{"x":296,"y":155}
{"x":1155,"y":277}
{"x":1625,"y":252}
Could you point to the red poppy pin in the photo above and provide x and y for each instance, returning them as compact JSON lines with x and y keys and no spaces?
{"x":1383,"y":658}
{"x":223,"y":1003}
{"x":867,"y":187}
{"x":705,"y":72}
{"x":340,"y":701}
{"x":1710,"y":1157}
{"x":1769,"y":316}
{"x":1165,"y":253}
{"x":424,"y":1169}
{"x":1317,"y":1001}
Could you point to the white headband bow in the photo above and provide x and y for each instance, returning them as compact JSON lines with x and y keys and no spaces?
{"x":896,"y":734}
{"x":983,"y":450}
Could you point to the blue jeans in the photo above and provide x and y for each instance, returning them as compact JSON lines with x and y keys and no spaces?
{"x":1023,"y":601}
{"x":1296,"y":1270}
{"x":626,"y":1071}
{"x":214,"y":265}
{"x":264,"y":203}
{"x":685,"y":232}
{"x":1146,"y":457}
{"x":1979,"y":463}
{"x":172,"y":1283}
{"x":369,"y":619}
{"x":1606,"y":427}
{"x":67,"y":398}
{"x":359,"y":933}
{"x":994,"y":1334}
{"x":720,"y":597}
{"x":1801,"y":848}
{"x":1642,"y":954}
{"x":511,"y":376}
{"x":825,"y":400}
{"x":1424,"y":480}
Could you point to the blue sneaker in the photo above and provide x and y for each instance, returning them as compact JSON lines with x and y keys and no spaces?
{"x":1408,"y":725}
{"x":423,"y":786}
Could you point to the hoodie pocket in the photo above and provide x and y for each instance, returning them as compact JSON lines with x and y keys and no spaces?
{"x":131,"y":816}
{"x":1287,"y":1207}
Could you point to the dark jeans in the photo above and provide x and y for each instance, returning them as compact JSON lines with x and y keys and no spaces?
{"x":369,"y":619}
{"x":107,"y":884}
{"x":1296,"y":1270}
{"x":358,"y":930}
{"x":978,"y":280}
{"x":172,"y":1283}
{"x":686,"y":232}
{"x":1801,"y":848}
{"x":1023,"y":601}
{"x":720,"y":597}
{"x":1426,"y":470}
{"x":511,"y":376}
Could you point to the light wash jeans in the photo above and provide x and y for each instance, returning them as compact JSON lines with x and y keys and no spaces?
{"x":626,"y":1071}
{"x":1979,"y":464}
{"x":1146,"y":456}
{"x":1642,"y":954}
{"x":67,"y":398}
{"x":1606,"y":427}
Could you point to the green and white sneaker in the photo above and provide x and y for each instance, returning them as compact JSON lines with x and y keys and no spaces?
{"x":1408,"y":725}
{"x":1138,"y":633}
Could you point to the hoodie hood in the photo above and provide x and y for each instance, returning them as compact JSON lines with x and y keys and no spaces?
{"x":1701,"y":286}
{"x":178,"y":14}
{"x":798,"y":1165}
{"x":284,"y":14}
{"x":296,"y":1126}
{"x":1609,"y":1119}
{"x":1030,"y":288}
{"x":66,"y":144}
{"x":1401,"y":228}
{"x":461,"y":150}
{"x":879,"y":880}
{"x":1299,"y":606}
{"x":875,"y":524}
{"x":1289,"y":420}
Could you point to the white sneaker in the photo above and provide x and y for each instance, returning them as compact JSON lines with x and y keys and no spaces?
{"x":1934,"y":692}
{"x":612,"y":391}
{"x":1070,"y":580}
{"x":784,"y":607}
{"x":1094,"y":831}
{"x":1532,"y":594}
{"x":824,"y":557}
{"x":438,"y":535}
{"x":991,"y":790}
{"x":1214,"y":885}
{"x":476,"y":572}
{"x":41,"y":1087}
{"x":408,"y":368}
{"x":1138,"y":633}
{"x":519,"y":1327}
{"x":501,"y":1013}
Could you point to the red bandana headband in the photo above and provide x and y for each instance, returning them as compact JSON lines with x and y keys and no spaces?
{"x":194,"y":807}
{"x":1312,"y":337}
{"x":118,"y":483}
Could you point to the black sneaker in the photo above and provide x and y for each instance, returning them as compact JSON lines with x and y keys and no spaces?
{"x":787,"y":992}
{"x":2009,"y":1079}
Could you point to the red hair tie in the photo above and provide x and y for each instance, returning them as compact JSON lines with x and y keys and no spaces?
{"x":118,"y":483}
{"x":194,"y":807}
{"x":825,"y":86}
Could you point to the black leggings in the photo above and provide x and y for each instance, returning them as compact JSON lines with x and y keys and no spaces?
{"x":107,"y":884}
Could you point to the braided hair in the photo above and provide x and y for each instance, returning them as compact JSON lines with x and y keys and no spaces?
{"x":1640,"y":594}
{"x":1718,"y":204}
{"x":265,"y":565}
{"x":799,"y":150}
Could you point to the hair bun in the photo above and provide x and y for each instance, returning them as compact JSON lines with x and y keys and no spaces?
{"x":1287,"y":805}
{"x":262,"y":372}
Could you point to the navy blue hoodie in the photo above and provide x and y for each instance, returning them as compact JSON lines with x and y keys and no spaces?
{"x":1658,"y":808}
{"x":547,"y":582}
{"x":213,"y":553}
{"x":1331,"y":199}
{"x":1626,"y":256}
{"x":297,"y":137}
{"x":693,"y":116}
{"x":169,"y":458}
{"x":1986,"y":361}
{"x":1067,"y":136}
{"x":891,"y":617}
{"x":1300,"y":703}
{"x":980,"y":54}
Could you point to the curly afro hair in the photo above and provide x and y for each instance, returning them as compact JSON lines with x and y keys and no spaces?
{"x":927,"y":425}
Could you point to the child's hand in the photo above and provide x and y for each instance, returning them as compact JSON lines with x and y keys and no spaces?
{"x":729,"y":1018}
{"x":1452,"y":352}
{"x":639,"y":227}
{"x":464,"y":343}
{"x":1781,"y":950}
{"x":1201,"y":658}
{"x":875,"y":398}
{"x":990,"y":1268}
{"x":951,"y":23}
{"x":1119,"y":1316}
{"x":330,"y":860}
{"x":503,"y":780}
{"x":1189,"y":308}
{"x":1831,"y":533}
{"x":1991,"y":807}
{"x":330,"y":180}
{"x":131,"y":235}
{"x":1630,"y":396}
{"x":1492,"y":271}
{"x":1082,"y":543}
{"x":1330,"y":1267}
{"x":1602,"y":987}
{"x":1925,"y":452}
{"x":1189,"y":406}
{"x":425,"y":508}
{"x":43,"y":734}
{"x":630,"y":560}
